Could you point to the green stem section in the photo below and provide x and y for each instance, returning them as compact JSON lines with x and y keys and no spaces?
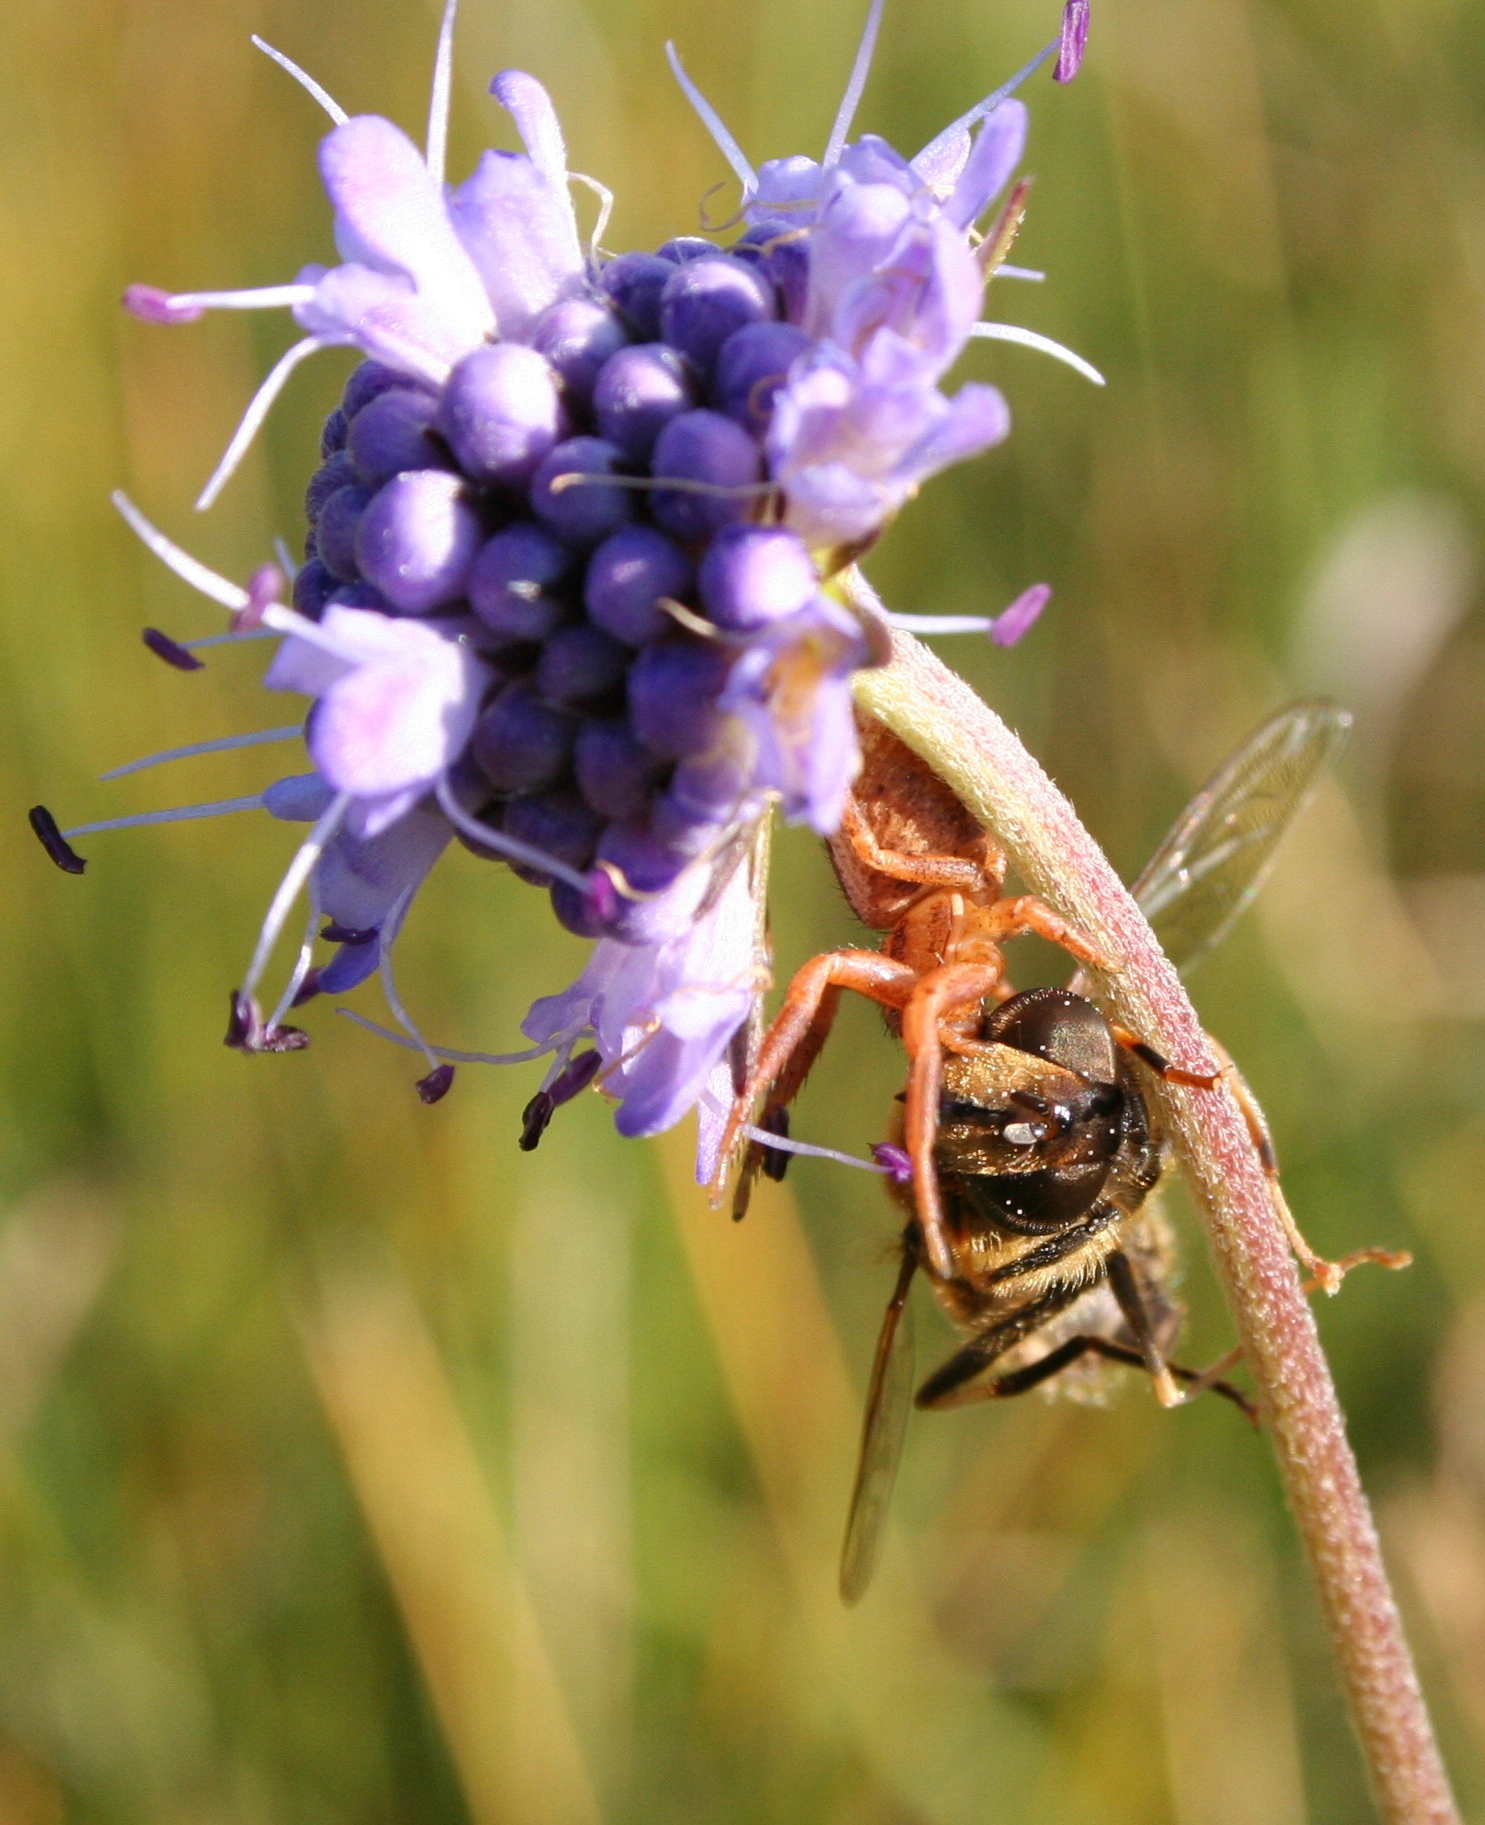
{"x":938,"y":716}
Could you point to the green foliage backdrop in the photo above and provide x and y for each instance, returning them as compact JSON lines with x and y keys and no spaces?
{"x":355,"y":1467}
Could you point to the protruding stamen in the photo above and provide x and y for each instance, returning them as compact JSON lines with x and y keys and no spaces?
{"x":305,"y":81}
{"x":295,"y":875}
{"x":285,"y":557}
{"x":53,"y":842}
{"x":1073,"y":41}
{"x":896,"y":1162}
{"x":385,"y":937}
{"x":939,"y":145}
{"x":1028,"y":273}
{"x":851,"y":100}
{"x":265,"y":588}
{"x":1005,"y":629}
{"x":152,"y":305}
{"x":171,"y":651}
{"x":1011,"y":623}
{"x":188,"y":569}
{"x":438,"y":103}
{"x":249,"y":298}
{"x":247,"y":1032}
{"x":178,"y":814}
{"x":712,"y":121}
{"x":781,"y":1142}
{"x":447,"y":1052}
{"x":291,"y":996}
{"x":502,"y":844}
{"x":535,"y":1119}
{"x":1013,"y":332}
{"x":233,"y":639}
{"x":220,"y":745}
{"x":252,"y":419}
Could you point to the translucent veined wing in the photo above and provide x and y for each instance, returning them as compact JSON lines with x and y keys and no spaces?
{"x":1222,"y":846}
{"x":888,"y":1401}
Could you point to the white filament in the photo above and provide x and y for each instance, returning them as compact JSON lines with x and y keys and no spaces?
{"x":988,"y":106}
{"x":438,"y":104}
{"x":222,"y":743}
{"x":188,"y":569}
{"x":851,"y":100}
{"x":250,"y":633}
{"x":605,"y":206}
{"x":305,"y":81}
{"x":1019,"y":272}
{"x":1013,"y":332}
{"x":295,"y":875}
{"x":507,"y":845}
{"x":256,"y":298}
{"x":712,"y":121}
{"x":384,"y":940}
{"x":785,"y":1145}
{"x":178,"y":814}
{"x":447,"y":1053}
{"x":301,"y":963}
{"x":252,"y":419}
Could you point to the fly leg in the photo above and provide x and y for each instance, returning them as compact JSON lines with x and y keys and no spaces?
{"x":1126,"y":1289}
{"x":803,"y":1022}
{"x":1019,"y":1381}
{"x":1161,"y":1066}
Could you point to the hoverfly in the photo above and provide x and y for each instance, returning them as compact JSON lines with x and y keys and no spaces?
{"x":1033,"y":1147}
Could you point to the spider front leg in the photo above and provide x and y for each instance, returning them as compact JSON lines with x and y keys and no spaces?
{"x":802,"y":1026}
{"x":1025,"y":914}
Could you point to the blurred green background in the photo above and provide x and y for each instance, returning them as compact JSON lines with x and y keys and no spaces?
{"x":355,"y":1467}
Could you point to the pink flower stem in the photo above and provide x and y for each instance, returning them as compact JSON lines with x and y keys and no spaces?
{"x":938,"y":716}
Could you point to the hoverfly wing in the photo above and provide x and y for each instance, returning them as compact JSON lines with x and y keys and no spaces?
{"x":1220,"y":851}
{"x":888,"y":1403}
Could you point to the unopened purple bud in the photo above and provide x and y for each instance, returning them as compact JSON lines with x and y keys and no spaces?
{"x":584,"y":915}
{"x":635,"y":281}
{"x":751,"y":367}
{"x":628,"y":575}
{"x":707,"y":300}
{"x":521,"y":744}
{"x":654,"y":902}
{"x":367,"y":382}
{"x":333,"y":432}
{"x":335,"y":530}
{"x":516,"y":584}
{"x":436,"y":1085}
{"x":418,"y":538}
{"x":580,"y":665}
{"x":501,"y":412}
{"x":335,"y":473}
{"x":577,"y":335}
{"x":579,"y":511}
{"x":1011,"y":623}
{"x":784,"y":256}
{"x":558,"y":823}
{"x":392,"y":434}
{"x":707,"y":789}
{"x":673,"y":690}
{"x":896,"y":1162}
{"x":708,"y":448}
{"x":1074,"y":40}
{"x":151,"y":305}
{"x":313,"y":588}
{"x":361,"y":595}
{"x":752,"y":575}
{"x":647,"y":863}
{"x":53,"y":842}
{"x":615,"y":772}
{"x":171,"y":651}
{"x":682,"y":248}
{"x":638,"y":393}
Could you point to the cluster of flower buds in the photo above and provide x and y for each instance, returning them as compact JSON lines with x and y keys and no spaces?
{"x":572,"y":589}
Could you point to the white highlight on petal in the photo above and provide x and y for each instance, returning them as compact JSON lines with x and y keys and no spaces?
{"x":851,"y":100}
{"x":295,"y":875}
{"x":507,"y":845}
{"x":252,"y":418}
{"x":447,"y":1053}
{"x":251,"y":633}
{"x":188,"y":569}
{"x":712,"y":121}
{"x":179,"y":814}
{"x":257,"y":298}
{"x":304,"y":79}
{"x":438,"y":102}
{"x":219,"y":746}
{"x":1044,"y":345}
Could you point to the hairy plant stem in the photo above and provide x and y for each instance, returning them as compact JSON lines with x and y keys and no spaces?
{"x":937,"y":715}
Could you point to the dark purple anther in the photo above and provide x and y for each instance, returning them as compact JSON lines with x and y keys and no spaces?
{"x":638,"y":393}
{"x":534,"y":1120}
{"x":560,"y":824}
{"x":336,"y":472}
{"x":151,"y":305}
{"x":775,"y":1159}
{"x":418,"y":538}
{"x":1074,"y":40}
{"x":313,"y":588}
{"x":751,"y":366}
{"x":1011,"y":623}
{"x":896,"y":1162}
{"x":708,"y":448}
{"x":709,"y":299}
{"x":577,"y":335}
{"x":582,"y":512}
{"x":333,"y":433}
{"x":580,"y":665}
{"x":627,"y":576}
{"x":584,"y":915}
{"x":516,"y":583}
{"x":752,"y":575}
{"x":436,"y":1085}
{"x":246,"y":1031}
{"x":522,"y":744}
{"x":53,"y":842}
{"x":333,"y":932}
{"x":635,"y":281}
{"x":615,"y":772}
{"x":366,"y":382}
{"x":673,"y":690}
{"x":393,"y":434}
{"x":335,"y":530}
{"x":569,"y":1083}
{"x":501,"y":412}
{"x":171,"y":651}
